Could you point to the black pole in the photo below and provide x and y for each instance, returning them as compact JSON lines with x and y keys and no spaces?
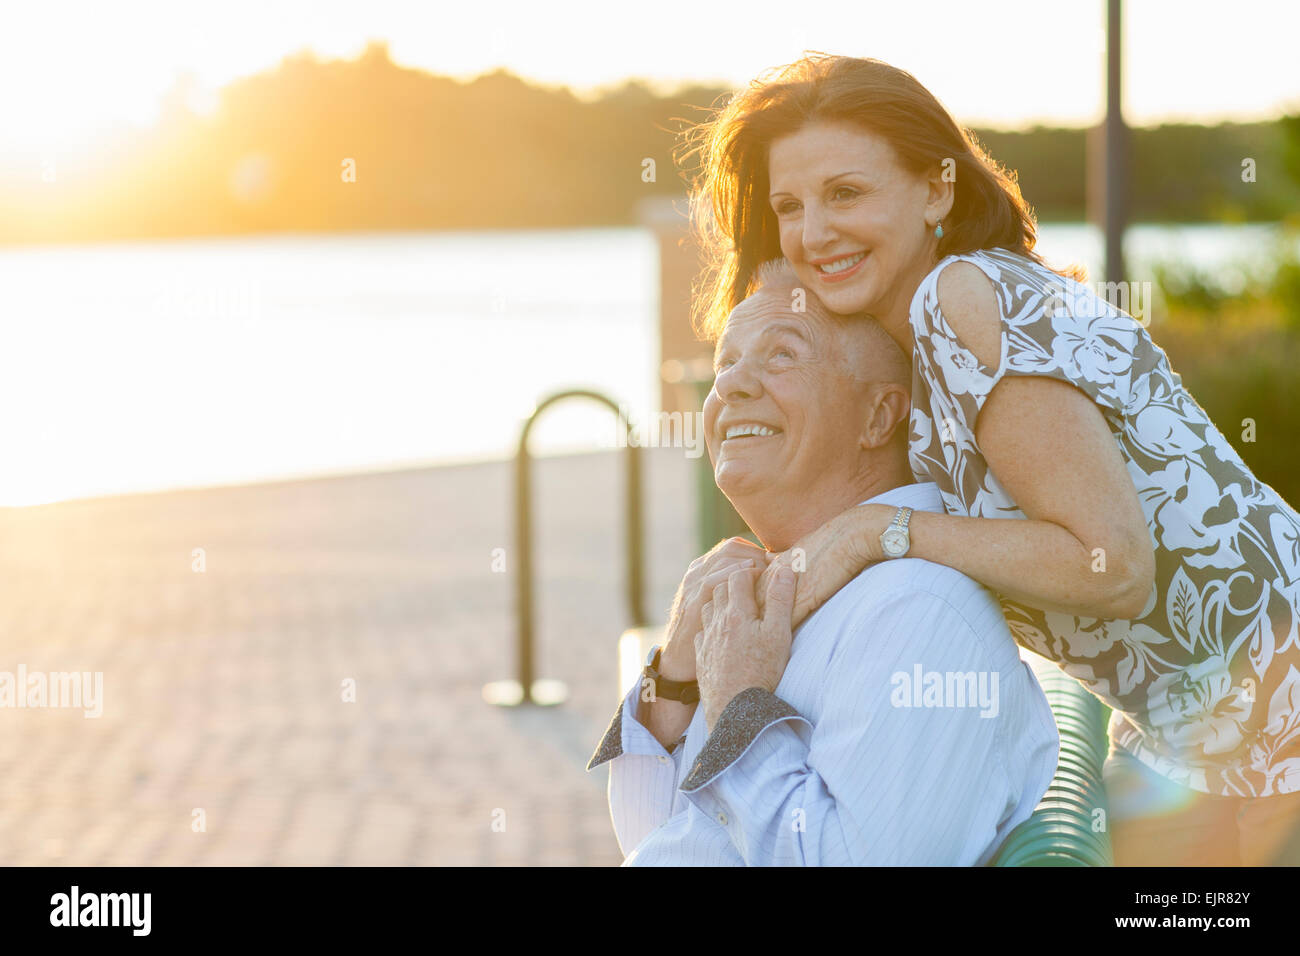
{"x":1116,"y":186}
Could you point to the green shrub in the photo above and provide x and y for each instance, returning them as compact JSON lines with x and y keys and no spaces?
{"x":1244,"y":368}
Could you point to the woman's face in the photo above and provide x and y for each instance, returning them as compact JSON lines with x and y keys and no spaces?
{"x":853,"y":221}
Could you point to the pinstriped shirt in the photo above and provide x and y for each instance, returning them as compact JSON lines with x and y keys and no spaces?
{"x":905,"y":730}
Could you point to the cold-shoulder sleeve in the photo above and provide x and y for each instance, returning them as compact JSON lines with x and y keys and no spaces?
{"x":1050,"y":325}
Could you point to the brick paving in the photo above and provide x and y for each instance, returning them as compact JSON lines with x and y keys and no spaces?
{"x":222,"y":690}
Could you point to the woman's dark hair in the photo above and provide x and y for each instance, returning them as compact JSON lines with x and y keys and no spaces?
{"x":732,"y":220}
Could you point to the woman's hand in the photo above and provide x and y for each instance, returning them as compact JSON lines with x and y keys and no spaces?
{"x":677,"y":657}
{"x":831,"y":556}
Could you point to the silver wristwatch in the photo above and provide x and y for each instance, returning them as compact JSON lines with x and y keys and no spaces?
{"x":895,"y":541}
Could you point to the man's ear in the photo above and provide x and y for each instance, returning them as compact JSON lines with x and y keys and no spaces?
{"x":889,"y":409}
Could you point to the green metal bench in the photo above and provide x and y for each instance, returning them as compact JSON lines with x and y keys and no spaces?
{"x":1068,"y":828}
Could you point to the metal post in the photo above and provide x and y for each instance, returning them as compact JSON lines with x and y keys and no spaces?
{"x":1116,"y":182}
{"x":528,"y":689}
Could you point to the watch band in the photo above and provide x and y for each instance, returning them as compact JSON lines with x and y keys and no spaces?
{"x":682,"y":691}
{"x":897,"y":529}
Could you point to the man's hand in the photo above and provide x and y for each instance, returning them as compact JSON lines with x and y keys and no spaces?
{"x":667,"y":719}
{"x":739,"y":649}
{"x":677,"y":657}
{"x":831,"y":556}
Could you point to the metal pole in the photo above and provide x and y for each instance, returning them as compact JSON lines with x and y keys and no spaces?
{"x":1116,"y":187}
{"x":525,"y":690}
{"x":524,"y":563}
{"x":634,"y":534}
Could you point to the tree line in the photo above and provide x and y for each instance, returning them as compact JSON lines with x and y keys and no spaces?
{"x":366,"y":144}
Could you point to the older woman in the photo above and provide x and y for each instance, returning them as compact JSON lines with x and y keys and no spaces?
{"x":1144,"y":558}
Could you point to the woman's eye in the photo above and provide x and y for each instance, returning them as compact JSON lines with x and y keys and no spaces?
{"x":843,"y":190}
{"x":786,"y":207}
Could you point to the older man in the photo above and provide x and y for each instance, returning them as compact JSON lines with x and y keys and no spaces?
{"x":898,"y":724}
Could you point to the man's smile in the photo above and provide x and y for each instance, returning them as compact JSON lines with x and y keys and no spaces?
{"x":747,"y":431}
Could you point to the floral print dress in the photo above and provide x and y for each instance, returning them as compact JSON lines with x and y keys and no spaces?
{"x":1205,"y":683}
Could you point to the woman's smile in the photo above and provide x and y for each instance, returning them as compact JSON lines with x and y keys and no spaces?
{"x":837,"y":270}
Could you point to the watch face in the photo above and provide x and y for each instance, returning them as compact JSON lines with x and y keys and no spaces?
{"x":894,"y":542}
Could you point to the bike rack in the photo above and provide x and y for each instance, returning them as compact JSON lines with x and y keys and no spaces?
{"x":528,"y":689}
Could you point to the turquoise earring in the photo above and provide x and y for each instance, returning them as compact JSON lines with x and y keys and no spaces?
{"x":938,"y":229}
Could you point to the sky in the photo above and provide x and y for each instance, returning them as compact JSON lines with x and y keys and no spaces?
{"x":69,"y":69}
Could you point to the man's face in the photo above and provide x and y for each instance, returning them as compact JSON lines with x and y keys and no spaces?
{"x":784,"y":416}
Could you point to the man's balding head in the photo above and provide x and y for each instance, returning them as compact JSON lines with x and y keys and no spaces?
{"x":869,"y":352}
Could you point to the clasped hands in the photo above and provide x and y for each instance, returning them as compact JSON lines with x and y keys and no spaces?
{"x":732,"y":622}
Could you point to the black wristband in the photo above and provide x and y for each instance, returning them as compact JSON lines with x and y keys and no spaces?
{"x":682,"y":691}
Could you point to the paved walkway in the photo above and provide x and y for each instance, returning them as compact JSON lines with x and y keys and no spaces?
{"x":222,"y":690}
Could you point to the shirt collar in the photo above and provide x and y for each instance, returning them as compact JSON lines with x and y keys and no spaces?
{"x":919,"y":496}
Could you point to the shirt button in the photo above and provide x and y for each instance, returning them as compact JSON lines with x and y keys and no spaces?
{"x":663,"y":758}
{"x":722,"y":818}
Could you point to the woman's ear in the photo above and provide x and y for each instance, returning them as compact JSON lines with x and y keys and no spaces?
{"x":942,"y":190}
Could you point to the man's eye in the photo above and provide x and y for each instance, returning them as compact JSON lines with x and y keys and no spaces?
{"x":786,"y":352}
{"x":845,"y":189}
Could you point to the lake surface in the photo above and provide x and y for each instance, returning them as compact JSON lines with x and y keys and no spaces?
{"x":151,"y":365}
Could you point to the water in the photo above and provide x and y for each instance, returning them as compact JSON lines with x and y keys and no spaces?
{"x":1235,"y":253}
{"x":143,"y":366}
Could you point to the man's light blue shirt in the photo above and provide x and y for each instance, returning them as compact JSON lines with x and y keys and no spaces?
{"x":906,"y":730}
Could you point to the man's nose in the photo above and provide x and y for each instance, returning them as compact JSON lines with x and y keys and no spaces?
{"x":737,"y":382}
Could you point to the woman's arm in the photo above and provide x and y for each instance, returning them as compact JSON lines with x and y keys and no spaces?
{"x":1085,"y":549}
{"x":1049,"y":447}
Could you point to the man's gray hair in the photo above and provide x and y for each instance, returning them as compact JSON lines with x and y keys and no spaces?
{"x":778,"y":275}
{"x":776,"y":269}
{"x":879,"y":348}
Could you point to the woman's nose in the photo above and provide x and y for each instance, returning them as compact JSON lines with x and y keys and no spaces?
{"x":818,"y":230}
